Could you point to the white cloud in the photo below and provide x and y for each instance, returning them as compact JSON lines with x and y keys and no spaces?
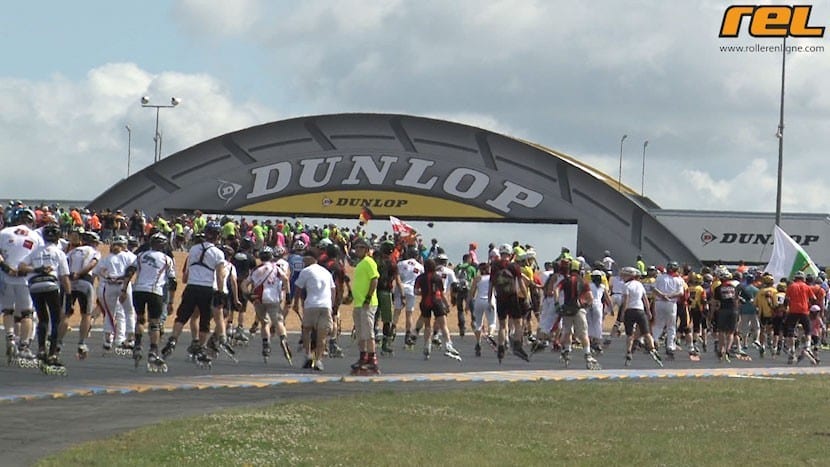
{"x":67,"y":139}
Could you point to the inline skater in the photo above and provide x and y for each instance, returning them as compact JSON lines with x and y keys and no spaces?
{"x":483,"y":307}
{"x":225,"y":300}
{"x":266,"y":287}
{"x":48,"y":273}
{"x":636,"y":311}
{"x":205,"y":267}
{"x":82,"y":260}
{"x":698,"y":309}
{"x":387,"y":281}
{"x":365,"y":303}
{"x":464,"y":273}
{"x":110,"y":272}
{"x":408,"y":270}
{"x":765,"y":303}
{"x":799,"y":298}
{"x":667,"y":290}
{"x":430,"y":285}
{"x":16,"y":245}
{"x":726,"y":300}
{"x":448,"y":277}
{"x":153,"y":270}
{"x":601,"y":300}
{"x":244,"y":262}
{"x":506,"y":285}
{"x":332,"y":262}
{"x":318,"y":285}
{"x":575,"y":296}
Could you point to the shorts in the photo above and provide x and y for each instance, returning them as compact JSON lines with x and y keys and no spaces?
{"x":16,"y":298}
{"x":364,"y":321}
{"x":385,"y":305}
{"x":766,"y":321}
{"x":698,"y":320}
{"x":437,"y":310}
{"x":196,"y":297}
{"x":509,"y":307}
{"x":777,"y":325}
{"x":318,"y":318}
{"x":405,"y":301}
{"x":483,"y":309}
{"x":154,"y":304}
{"x":84,"y":294}
{"x":634,"y":316}
{"x":792,"y":320}
{"x":579,"y":323}
{"x":727,"y":320}
{"x":268,"y":313}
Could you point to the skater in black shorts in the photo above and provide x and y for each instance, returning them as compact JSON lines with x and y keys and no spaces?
{"x":506,"y":284}
{"x":430,"y":286}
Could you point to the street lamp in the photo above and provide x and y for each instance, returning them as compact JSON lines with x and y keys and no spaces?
{"x":619,"y":178}
{"x":145,"y":102}
{"x":129,"y":147}
{"x":643,"y":179}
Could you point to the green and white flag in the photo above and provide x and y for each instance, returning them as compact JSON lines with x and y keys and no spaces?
{"x":788,"y":258}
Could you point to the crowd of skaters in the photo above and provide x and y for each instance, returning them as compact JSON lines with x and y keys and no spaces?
{"x":52,"y":264}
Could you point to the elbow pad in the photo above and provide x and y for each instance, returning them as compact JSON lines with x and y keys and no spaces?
{"x":172,"y":284}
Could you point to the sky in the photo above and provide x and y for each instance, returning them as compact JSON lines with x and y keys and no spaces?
{"x":572,"y":76}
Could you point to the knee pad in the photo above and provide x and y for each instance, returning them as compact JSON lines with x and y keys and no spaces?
{"x":155,"y":327}
{"x":8,"y":312}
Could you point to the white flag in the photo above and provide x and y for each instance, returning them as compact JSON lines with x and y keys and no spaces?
{"x":788,"y":257}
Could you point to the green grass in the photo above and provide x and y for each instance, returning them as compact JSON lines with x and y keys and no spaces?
{"x":719,"y":421}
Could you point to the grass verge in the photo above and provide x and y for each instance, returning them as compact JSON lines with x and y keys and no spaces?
{"x":656,"y":422}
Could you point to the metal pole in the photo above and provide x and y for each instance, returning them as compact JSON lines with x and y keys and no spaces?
{"x":156,"y":138}
{"x":643,"y":179}
{"x":129,"y":147}
{"x":780,"y":136}
{"x":619,"y":178}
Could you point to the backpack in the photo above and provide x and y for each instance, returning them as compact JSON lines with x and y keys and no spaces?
{"x":462,"y":275}
{"x":505,"y":282}
{"x":571,"y":305}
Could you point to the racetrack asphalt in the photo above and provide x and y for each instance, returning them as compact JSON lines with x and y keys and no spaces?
{"x":103,"y":396}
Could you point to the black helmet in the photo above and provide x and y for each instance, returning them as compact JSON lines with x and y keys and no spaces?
{"x":387,"y":247}
{"x":411,"y":253}
{"x":332,"y":250}
{"x":245,"y":244}
{"x":51,"y":233}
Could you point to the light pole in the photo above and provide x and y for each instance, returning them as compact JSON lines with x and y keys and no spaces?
{"x":129,"y":147}
{"x":619,"y":178}
{"x":780,"y":135}
{"x":145,"y":102}
{"x":643,"y":179}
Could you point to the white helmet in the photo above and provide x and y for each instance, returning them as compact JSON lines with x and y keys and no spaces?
{"x":505,"y":249}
